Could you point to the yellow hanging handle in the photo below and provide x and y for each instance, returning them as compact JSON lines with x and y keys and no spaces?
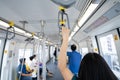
{"x":33,"y":34}
{"x":11,"y":23}
{"x":62,"y":22}
{"x":61,"y":8}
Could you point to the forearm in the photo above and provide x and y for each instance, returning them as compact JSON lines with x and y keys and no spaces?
{"x":62,"y":59}
{"x":26,"y":74}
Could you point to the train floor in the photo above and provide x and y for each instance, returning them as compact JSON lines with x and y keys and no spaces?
{"x":52,"y":67}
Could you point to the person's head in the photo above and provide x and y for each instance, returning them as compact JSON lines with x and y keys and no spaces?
{"x":22,"y":60}
{"x":32,"y":57}
{"x":94,"y":67}
{"x":73,"y":47}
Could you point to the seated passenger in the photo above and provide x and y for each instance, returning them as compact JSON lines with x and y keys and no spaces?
{"x":22,"y":72}
{"x":34,"y":64}
{"x":93,"y":66}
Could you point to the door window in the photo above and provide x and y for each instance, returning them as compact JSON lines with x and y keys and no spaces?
{"x":109,"y":52}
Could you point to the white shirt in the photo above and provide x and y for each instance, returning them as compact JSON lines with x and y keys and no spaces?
{"x":33,"y":65}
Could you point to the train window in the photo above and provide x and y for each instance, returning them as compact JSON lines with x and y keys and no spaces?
{"x":109,"y":47}
{"x":0,"y":51}
{"x":0,"y":42}
{"x":119,"y":30}
{"x":1,"y":48}
{"x":109,"y":52}
{"x":84,"y":51}
{"x":28,"y":53}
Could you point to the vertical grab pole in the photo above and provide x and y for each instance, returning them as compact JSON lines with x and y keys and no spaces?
{"x":38,"y":51}
{"x":3,"y":55}
{"x":23,"y":60}
{"x":43,"y":54}
{"x":44,"y":59}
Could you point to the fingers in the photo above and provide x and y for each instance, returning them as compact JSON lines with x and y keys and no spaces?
{"x":64,"y":29}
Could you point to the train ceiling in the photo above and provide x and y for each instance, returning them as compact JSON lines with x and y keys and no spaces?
{"x":33,"y":11}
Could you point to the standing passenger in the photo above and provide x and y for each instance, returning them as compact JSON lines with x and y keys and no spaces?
{"x":33,"y":65}
{"x":22,"y":72}
{"x":74,"y":59}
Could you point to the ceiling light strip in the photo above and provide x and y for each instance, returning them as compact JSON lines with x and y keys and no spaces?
{"x":17,"y":29}
{"x":87,"y":14}
{"x":82,"y":20}
{"x":24,"y":32}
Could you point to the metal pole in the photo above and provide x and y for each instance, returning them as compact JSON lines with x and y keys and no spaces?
{"x":23,"y":60}
{"x":38,"y":50}
{"x":4,"y":47}
{"x":118,"y":32}
{"x":44,"y":59}
{"x":43,"y":50}
{"x":24,"y":23}
{"x":97,"y":44}
{"x":3,"y":54}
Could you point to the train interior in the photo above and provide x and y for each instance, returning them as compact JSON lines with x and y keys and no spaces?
{"x":94,"y":27}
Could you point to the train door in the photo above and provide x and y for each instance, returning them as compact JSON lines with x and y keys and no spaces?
{"x":1,"y":48}
{"x":119,"y":32}
{"x":8,"y":59}
{"x":109,"y":49}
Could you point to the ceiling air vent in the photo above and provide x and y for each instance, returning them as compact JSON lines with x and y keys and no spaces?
{"x":111,"y":13}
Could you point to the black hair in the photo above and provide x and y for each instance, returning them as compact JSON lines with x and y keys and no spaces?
{"x":32,"y":57}
{"x":94,"y":67}
{"x":22,"y":60}
{"x":73,"y":47}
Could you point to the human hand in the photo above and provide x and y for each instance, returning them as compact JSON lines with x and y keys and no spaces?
{"x":30,"y":74}
{"x":32,"y":70}
{"x":65,"y":33}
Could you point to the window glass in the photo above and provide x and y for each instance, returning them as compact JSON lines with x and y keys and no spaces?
{"x":0,"y":51}
{"x":0,"y":43}
{"x":108,"y":45}
{"x":109,"y":52}
{"x":28,"y":53}
{"x":84,"y":51}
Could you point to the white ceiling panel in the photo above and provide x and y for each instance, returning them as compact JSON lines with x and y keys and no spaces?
{"x":33,"y":11}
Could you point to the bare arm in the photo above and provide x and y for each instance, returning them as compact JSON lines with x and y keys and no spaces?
{"x":26,"y":74}
{"x":62,"y":58}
